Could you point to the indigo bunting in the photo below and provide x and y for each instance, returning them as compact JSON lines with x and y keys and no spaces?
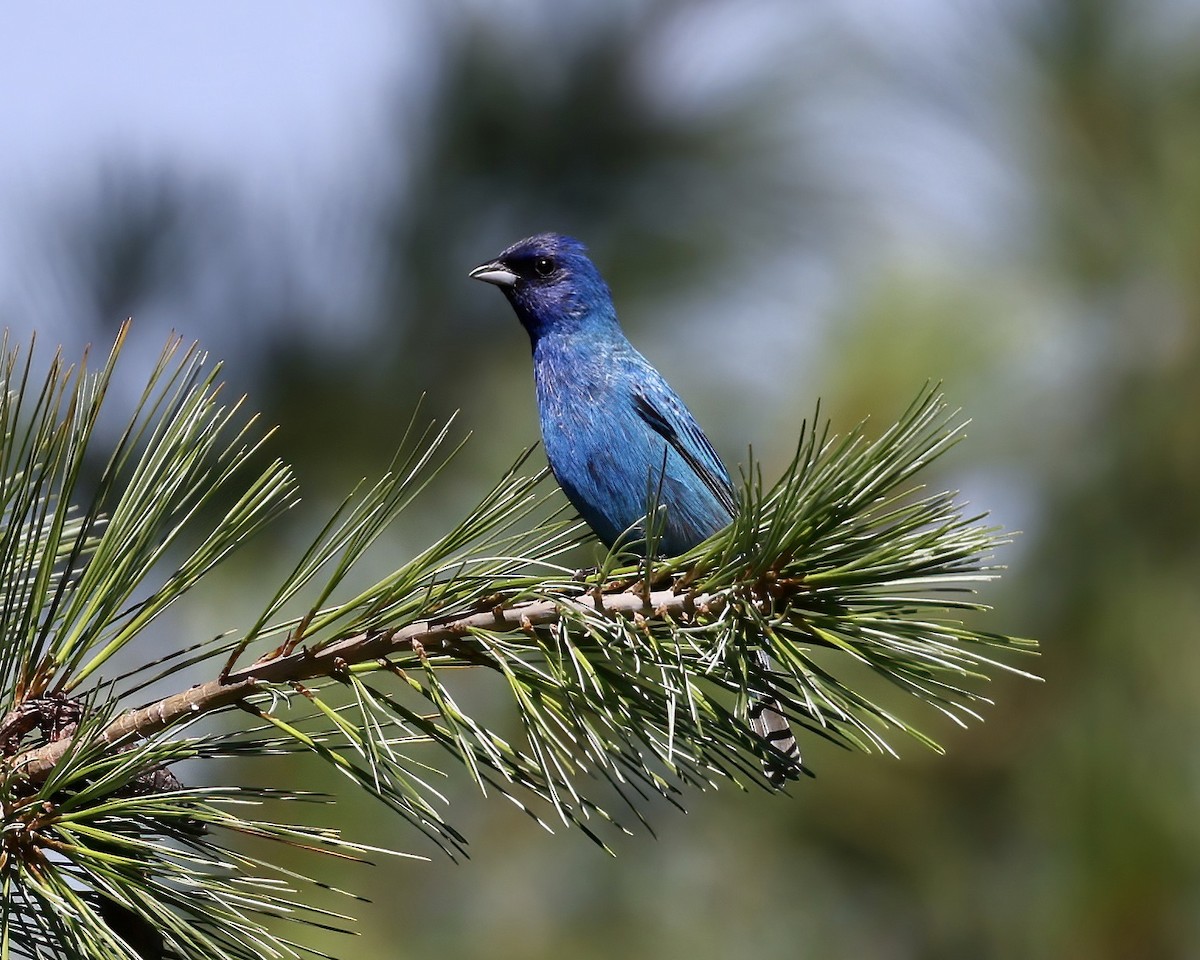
{"x":618,"y":438}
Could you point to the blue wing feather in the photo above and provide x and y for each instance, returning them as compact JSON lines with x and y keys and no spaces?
{"x":671,"y":420}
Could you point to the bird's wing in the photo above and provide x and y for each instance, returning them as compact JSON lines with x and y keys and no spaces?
{"x":668,"y":417}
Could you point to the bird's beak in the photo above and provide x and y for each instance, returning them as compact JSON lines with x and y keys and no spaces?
{"x":494,"y":272}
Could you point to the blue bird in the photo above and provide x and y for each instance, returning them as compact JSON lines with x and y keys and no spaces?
{"x":617,"y":437}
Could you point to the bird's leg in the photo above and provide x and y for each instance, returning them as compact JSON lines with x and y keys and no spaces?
{"x":647,"y":578}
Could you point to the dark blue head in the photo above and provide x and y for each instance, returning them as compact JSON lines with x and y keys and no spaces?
{"x":552,"y":286}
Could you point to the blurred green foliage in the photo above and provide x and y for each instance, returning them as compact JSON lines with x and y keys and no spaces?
{"x":1066,"y":825}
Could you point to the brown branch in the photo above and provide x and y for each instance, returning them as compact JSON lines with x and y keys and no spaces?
{"x":303,"y":664}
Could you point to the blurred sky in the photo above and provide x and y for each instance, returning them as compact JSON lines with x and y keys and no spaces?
{"x":279,"y":97}
{"x":279,"y":102}
{"x":291,"y":105}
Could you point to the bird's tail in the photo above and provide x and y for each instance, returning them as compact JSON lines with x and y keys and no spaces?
{"x":767,"y":721}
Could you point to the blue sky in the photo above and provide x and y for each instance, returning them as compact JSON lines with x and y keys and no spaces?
{"x":282,"y":99}
{"x":270,"y":98}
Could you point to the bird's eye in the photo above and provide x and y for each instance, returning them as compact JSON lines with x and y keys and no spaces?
{"x":543,"y":266}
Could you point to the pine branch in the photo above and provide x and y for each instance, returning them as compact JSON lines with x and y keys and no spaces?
{"x":670,"y":606}
{"x":635,"y":676}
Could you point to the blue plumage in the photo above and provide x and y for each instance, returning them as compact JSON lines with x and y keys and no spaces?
{"x":617,"y":436}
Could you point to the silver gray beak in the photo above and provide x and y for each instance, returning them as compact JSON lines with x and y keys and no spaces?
{"x":494,"y":272}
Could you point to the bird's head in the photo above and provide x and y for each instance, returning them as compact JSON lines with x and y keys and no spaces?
{"x":552,"y":286}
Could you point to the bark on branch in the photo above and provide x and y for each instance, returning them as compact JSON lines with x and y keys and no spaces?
{"x":302,"y":664}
